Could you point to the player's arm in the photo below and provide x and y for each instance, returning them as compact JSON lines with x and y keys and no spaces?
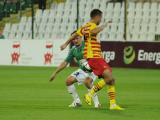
{"x":63,"y":65}
{"x":58,"y":69}
{"x":73,"y":36}
{"x":100,"y":28}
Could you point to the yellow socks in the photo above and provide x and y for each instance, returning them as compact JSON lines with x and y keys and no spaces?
{"x":111,"y":94}
{"x":97,"y":87}
{"x":111,"y":91}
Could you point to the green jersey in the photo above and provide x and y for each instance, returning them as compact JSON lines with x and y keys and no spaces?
{"x":77,"y":53}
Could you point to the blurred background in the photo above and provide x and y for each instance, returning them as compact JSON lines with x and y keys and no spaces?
{"x":31,"y":32}
{"x":133,"y":20}
{"x":43,"y":25}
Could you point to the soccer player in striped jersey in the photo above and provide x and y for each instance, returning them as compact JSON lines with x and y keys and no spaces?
{"x":93,"y":54}
{"x":82,"y":75}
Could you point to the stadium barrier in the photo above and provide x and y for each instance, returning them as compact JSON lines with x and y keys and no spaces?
{"x":31,"y":52}
{"x":132,"y":54}
{"x":47,"y":53}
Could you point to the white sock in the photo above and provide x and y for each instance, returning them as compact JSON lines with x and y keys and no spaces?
{"x":73,"y":92}
{"x":95,"y":99}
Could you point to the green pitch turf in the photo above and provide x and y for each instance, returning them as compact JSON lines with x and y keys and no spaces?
{"x":27,"y":94}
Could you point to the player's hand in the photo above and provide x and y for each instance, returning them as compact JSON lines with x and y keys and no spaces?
{"x":107,"y":23}
{"x":52,"y":77}
{"x":62,"y":47}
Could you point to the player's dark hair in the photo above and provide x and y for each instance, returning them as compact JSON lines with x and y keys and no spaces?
{"x":73,"y":32}
{"x":95,"y":12}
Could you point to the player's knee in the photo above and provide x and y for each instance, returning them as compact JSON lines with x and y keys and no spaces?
{"x":107,"y":75}
{"x":111,"y":82}
{"x":88,"y":83}
{"x":69,"y":81}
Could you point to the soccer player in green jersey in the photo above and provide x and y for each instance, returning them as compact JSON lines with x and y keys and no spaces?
{"x":82,"y":75}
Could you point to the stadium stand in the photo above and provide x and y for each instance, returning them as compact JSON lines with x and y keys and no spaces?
{"x":8,"y":7}
{"x":143,"y":21}
{"x":60,"y":20}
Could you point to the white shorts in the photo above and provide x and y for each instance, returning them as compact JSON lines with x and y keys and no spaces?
{"x":81,"y":75}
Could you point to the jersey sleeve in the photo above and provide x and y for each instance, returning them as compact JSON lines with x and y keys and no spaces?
{"x":92,"y":26}
{"x":80,"y":31}
{"x":70,"y":56}
{"x":85,"y":29}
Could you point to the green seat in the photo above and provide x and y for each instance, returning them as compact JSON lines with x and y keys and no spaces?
{"x":7,"y":9}
{"x":1,"y":10}
{"x":13,"y":8}
{"x":1,"y":7}
{"x":23,"y":4}
{"x":28,"y":3}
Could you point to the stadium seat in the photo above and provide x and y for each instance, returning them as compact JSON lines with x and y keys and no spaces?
{"x":6,"y":30}
{"x":112,"y":36}
{"x":146,"y":6}
{"x":153,"y":6}
{"x":60,"y":20}
{"x":132,"y":6}
{"x":1,"y":10}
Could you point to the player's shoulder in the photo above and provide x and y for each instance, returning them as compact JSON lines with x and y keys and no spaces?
{"x":73,"y":48}
{"x":91,"y":24}
{"x":71,"y":51}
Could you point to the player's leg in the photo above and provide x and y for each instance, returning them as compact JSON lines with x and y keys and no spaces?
{"x":72,"y":90}
{"x":109,"y":80}
{"x":89,"y":84}
{"x":106,"y":78}
{"x":97,"y":66}
{"x":111,"y":91}
{"x":86,"y":78}
{"x":98,"y":86}
{"x":105,"y":71}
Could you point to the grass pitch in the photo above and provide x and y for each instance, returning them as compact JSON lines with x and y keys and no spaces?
{"x":27,"y":94}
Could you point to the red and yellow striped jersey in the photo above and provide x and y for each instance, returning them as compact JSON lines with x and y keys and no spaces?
{"x":92,"y":47}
